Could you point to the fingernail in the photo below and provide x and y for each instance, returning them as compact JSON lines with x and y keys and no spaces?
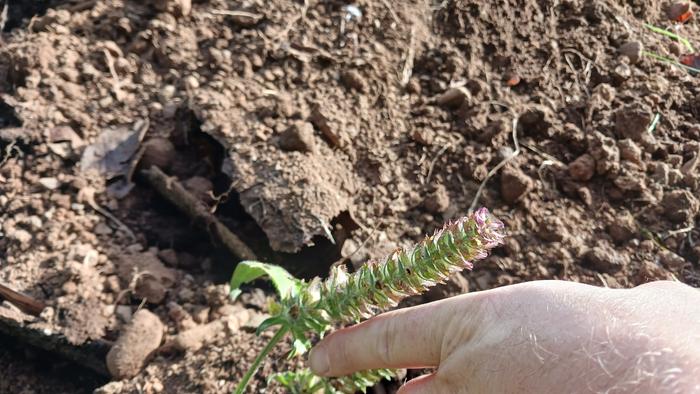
{"x":318,"y":361}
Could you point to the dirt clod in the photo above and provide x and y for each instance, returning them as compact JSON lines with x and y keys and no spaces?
{"x":158,"y":152}
{"x":515,"y":184}
{"x":437,"y":201}
{"x":298,"y":137}
{"x":680,"y":206}
{"x":135,"y":344}
{"x":632,"y":50}
{"x":583,"y":168}
{"x":604,"y":258}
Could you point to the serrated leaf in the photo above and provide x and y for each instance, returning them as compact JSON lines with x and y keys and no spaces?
{"x":248,"y":271}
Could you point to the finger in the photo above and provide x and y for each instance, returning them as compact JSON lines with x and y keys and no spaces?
{"x":426,"y":384}
{"x":406,"y":338}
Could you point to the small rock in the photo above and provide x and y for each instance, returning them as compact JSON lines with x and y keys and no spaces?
{"x":151,"y":276}
{"x":630,"y":181}
{"x":150,"y":289}
{"x":552,"y":229}
{"x":677,"y":9}
{"x":630,"y":151}
{"x":351,"y":250}
{"x":413,"y":86}
{"x":680,"y":206}
{"x":660,"y":173}
{"x":633,"y":122}
{"x":622,"y":228}
{"x":22,"y":236}
{"x":69,"y":287}
{"x":200,"y":314}
{"x":299,"y":137}
{"x":158,"y":152}
{"x":583,"y":168}
{"x":424,"y":137}
{"x":605,"y":152}
{"x":515,"y":184}
{"x":178,"y":7}
{"x":124,"y":313}
{"x":622,"y":72}
{"x":672,"y":261}
{"x":603,"y":258}
{"x":194,"y":338}
{"x":438,"y":201}
{"x":102,"y":229}
{"x":49,"y":183}
{"x":632,"y":50}
{"x":650,"y":271}
{"x":135,"y":344}
{"x":675,"y":177}
{"x":353,"y":80}
{"x":453,"y":97}
{"x":191,"y":82}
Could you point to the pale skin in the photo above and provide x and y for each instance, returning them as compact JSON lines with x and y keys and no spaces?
{"x":539,"y":337}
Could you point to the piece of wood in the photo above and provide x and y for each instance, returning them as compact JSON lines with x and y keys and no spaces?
{"x":24,"y":302}
{"x":172,"y":190}
{"x":90,"y":355}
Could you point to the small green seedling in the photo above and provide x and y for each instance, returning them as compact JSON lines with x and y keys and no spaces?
{"x":309,"y":310}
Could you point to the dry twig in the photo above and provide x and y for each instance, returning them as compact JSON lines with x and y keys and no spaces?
{"x":172,"y":190}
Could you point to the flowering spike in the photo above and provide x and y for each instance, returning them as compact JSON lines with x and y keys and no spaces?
{"x":345,"y":297}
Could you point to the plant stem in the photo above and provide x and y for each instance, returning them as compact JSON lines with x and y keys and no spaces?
{"x":258,"y":360}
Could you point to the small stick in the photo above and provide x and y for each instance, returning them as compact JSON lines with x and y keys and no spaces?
{"x":25,"y":303}
{"x":116,"y":83}
{"x":410,"y":57}
{"x":432,"y":163}
{"x":90,"y":355}
{"x":172,"y":190}
{"x":244,"y":14}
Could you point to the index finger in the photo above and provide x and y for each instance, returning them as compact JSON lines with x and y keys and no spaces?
{"x":405,"y":338}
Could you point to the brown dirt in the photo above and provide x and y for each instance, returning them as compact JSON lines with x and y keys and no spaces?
{"x":317,"y":130}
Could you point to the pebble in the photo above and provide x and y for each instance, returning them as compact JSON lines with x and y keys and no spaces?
{"x":49,"y":183}
{"x":604,"y":258}
{"x":583,"y":168}
{"x":671,"y":260}
{"x":194,"y":338}
{"x":515,"y":184}
{"x":632,"y":50}
{"x":124,"y":313}
{"x":159,"y":152}
{"x":298,"y":137}
{"x":680,"y":206}
{"x":135,"y":344}
{"x":453,"y":97}
{"x":660,"y":173}
{"x":630,"y":151}
{"x":677,"y":9}
{"x":622,"y":72}
{"x":354,"y":80}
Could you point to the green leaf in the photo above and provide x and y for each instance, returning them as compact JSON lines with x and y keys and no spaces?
{"x":269,"y":322}
{"x":248,"y":271}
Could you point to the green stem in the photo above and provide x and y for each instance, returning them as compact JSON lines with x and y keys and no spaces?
{"x":258,"y":360}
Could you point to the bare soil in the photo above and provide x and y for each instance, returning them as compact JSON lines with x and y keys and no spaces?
{"x":321,"y":132}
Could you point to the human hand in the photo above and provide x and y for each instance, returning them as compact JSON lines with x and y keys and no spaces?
{"x":546,"y":336}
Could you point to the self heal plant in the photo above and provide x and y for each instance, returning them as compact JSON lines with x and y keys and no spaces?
{"x":310,"y":309}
